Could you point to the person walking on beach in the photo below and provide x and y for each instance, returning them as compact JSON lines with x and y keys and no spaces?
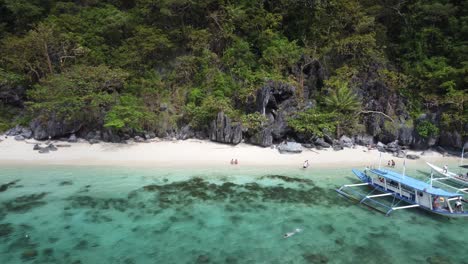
{"x":445,"y":168}
{"x":306,"y":164}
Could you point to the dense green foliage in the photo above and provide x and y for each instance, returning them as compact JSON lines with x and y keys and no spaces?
{"x":146,"y":64}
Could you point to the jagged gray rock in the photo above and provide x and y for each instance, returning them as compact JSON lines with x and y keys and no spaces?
{"x":52,"y":147}
{"x":412,"y":156}
{"x":262,"y":138}
{"x":19,"y":137}
{"x":346,"y":141}
{"x":139,"y":139}
{"x":44,"y":150}
{"x":289,"y":147}
{"x":225,"y":131}
{"x":364,"y":140}
{"x":320,"y":142}
{"x":450,"y":139}
{"x":53,"y":128}
{"x":72,"y":138}
{"x":381,"y":146}
{"x":185,"y":132}
{"x":392,"y":146}
{"x":93,"y":141}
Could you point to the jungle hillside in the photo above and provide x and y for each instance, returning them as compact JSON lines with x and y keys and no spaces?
{"x":309,"y":71}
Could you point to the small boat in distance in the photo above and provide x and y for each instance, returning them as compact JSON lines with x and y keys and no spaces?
{"x":458,"y":178}
{"x":402,"y":188}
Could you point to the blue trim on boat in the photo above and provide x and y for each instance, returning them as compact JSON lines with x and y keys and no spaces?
{"x":408,"y":181}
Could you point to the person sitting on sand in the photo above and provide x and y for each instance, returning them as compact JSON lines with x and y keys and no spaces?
{"x":393,"y":164}
{"x":306,"y":164}
{"x":389,"y":163}
{"x":235,"y":162}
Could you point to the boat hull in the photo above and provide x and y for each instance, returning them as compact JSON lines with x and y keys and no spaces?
{"x":366,"y":179}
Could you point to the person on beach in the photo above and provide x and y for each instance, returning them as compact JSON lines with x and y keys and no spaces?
{"x":393,"y":164}
{"x":445,"y":168}
{"x":235,"y":162}
{"x":306,"y":164}
{"x":232,"y":161}
{"x":389,"y":163}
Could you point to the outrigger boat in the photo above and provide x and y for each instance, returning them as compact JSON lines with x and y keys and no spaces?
{"x":401,"y":188}
{"x":457,"y":178}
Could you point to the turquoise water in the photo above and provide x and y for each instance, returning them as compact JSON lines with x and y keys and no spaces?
{"x":220,"y":215}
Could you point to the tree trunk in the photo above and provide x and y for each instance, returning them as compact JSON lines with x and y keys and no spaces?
{"x":46,"y":54}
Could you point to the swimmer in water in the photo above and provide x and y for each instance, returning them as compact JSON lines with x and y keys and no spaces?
{"x":290,"y":234}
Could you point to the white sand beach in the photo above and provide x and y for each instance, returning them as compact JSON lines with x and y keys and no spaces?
{"x":190,"y":153}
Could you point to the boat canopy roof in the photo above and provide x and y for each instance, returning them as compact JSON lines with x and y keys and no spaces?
{"x":413,"y":183}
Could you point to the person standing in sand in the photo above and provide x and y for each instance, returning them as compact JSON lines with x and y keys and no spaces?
{"x":306,"y":164}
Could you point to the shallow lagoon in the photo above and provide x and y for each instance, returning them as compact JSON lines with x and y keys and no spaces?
{"x":58,"y":214}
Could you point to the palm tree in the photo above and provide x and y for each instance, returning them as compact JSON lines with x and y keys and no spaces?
{"x":345,"y":103}
{"x":343,"y":100}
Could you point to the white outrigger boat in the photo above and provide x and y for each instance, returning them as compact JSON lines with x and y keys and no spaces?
{"x":401,"y":188}
{"x":461,"y":179}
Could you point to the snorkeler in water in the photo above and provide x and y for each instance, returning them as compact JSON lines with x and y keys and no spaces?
{"x":290,"y":234}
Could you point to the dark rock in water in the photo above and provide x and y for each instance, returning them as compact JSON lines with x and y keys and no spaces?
{"x":320,"y":142}
{"x":72,"y":138}
{"x":262,"y":138}
{"x":36,"y":147}
{"x":53,"y":127}
{"x":63,"y":183}
{"x":364,"y":140}
{"x":202,"y":259}
{"x":231,"y":260}
{"x":25,"y":203}
{"x":19,"y":137}
{"x":438,"y":260}
{"x":48,"y":252}
{"x":83,"y":244}
{"x":139,"y":139}
{"x":289,"y":147}
{"x":6,"y":229}
{"x":412,"y":156}
{"x":29,"y":254}
{"x":315,"y":258}
{"x":44,"y":150}
{"x":346,"y":141}
{"x":225,"y":131}
{"x":5,"y":186}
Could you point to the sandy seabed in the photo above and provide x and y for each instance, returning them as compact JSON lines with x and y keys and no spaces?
{"x":192,"y":152}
